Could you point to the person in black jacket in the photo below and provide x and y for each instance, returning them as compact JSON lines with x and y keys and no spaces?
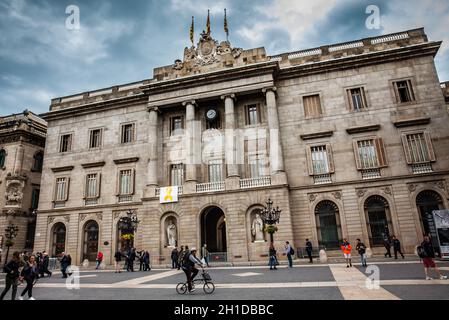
{"x":309,"y":250}
{"x":131,"y":258}
{"x":174,"y":258}
{"x":65,"y":263}
{"x":118,"y":259}
{"x":12,"y":276}
{"x":397,"y":248}
{"x":29,"y":273}
{"x":44,"y":265}
{"x":428,"y":259}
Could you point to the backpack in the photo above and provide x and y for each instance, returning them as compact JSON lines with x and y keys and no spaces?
{"x":292,"y":251}
{"x":421,"y":252}
{"x":186,"y":260}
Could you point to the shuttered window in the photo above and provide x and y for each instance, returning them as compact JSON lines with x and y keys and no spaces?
{"x":177,"y":174}
{"x":252,"y":114}
{"x":404,"y":91}
{"x":65,"y":143}
{"x":418,"y":148}
{"x":312,"y":106}
{"x":95,"y":138}
{"x":92,"y":186}
{"x":128,"y":133}
{"x":61,"y":190}
{"x":370,"y":154}
{"x":215,"y":169}
{"x":357,"y":99}
{"x":320,"y":160}
{"x":126,"y":182}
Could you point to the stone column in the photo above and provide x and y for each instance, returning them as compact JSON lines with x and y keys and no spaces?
{"x":191,"y":147}
{"x":18,"y":159}
{"x":230,"y":135}
{"x":152,"y":141}
{"x":276,"y":155}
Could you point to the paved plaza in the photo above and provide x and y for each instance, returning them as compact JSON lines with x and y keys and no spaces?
{"x":401,"y":280}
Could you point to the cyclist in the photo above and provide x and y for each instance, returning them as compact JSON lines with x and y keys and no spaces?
{"x":190,"y":260}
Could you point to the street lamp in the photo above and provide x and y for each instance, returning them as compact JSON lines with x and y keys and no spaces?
{"x":128,"y":226}
{"x":10,"y":233}
{"x":270,"y":216}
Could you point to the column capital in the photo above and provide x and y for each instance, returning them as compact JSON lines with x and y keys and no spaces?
{"x":191,"y":102}
{"x":230,"y":95}
{"x":153,"y":108}
{"x":272,"y":89}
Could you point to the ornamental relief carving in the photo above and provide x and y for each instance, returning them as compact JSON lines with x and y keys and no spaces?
{"x":14,"y":192}
{"x":361,"y":192}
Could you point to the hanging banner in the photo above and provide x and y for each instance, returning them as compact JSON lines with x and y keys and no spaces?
{"x":441,"y":218}
{"x":168,"y":194}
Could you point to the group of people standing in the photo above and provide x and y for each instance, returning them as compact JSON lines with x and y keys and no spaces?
{"x":130,"y":256}
{"x":177,"y":256}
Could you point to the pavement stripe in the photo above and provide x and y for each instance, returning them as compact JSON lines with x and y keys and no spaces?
{"x":352,"y":285}
{"x":146,"y":278}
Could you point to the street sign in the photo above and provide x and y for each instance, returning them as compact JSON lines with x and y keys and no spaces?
{"x":441,"y":218}
{"x":168,"y":194}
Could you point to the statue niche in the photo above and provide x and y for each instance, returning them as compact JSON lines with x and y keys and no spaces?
{"x":14,"y":193}
{"x":257,"y":227}
{"x":171,"y":232}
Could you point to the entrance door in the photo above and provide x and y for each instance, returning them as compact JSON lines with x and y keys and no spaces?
{"x":427,"y":201}
{"x":213,"y":232}
{"x":327,"y":220}
{"x":90,"y":247}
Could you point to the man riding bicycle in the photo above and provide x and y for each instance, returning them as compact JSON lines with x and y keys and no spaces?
{"x":190,"y":260}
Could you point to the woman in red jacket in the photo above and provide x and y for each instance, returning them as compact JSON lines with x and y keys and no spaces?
{"x":99,"y":259}
{"x":346,"y":248}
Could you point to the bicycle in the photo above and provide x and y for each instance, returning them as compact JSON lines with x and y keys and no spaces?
{"x":208,"y":286}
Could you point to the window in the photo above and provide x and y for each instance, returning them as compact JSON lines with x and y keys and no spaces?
{"x":252,"y":114}
{"x":377,"y":213}
{"x":92,"y":190}
{"x":126,"y":182}
{"x":418,"y":148}
{"x":215,"y":170}
{"x":2,"y":158}
{"x":177,"y":174}
{"x":370,"y":154}
{"x":128,"y":133}
{"x":312,"y":106}
{"x":65,"y":143}
{"x":257,"y":165}
{"x":95,"y":139}
{"x":35,"y":198}
{"x":38,"y":162}
{"x":357,"y":99}
{"x":404,"y":91}
{"x":61,"y":190}
{"x":176,"y":125}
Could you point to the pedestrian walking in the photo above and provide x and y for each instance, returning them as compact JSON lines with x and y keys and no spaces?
{"x":146,"y":261}
{"x":65,"y":263}
{"x":118,"y":259}
{"x":45,"y":261}
{"x":181,"y":257}
{"x":387,"y":242}
{"x":427,"y":253}
{"x":361,"y":249}
{"x":12,"y":276}
{"x":99,"y":260}
{"x":397,"y":248}
{"x":272,"y":257}
{"x":346,"y":248}
{"x":29,"y":273}
{"x":205,"y":254}
{"x":289,"y":251}
{"x":141,"y":256}
{"x":309,"y":250}
{"x":174,"y":258}
{"x":131,"y":258}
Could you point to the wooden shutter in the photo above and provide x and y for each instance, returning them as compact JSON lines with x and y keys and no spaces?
{"x":309,"y":160}
{"x":117,"y":184}
{"x":67,"y":189}
{"x":55,"y":188}
{"x":330,"y":158}
{"x":429,"y":144}
{"x":407,"y":151}
{"x":86,"y":186}
{"x":364,"y":101}
{"x":381,"y":153}
{"x":133,"y":181}
{"x":358,"y":163}
{"x":98,"y":189}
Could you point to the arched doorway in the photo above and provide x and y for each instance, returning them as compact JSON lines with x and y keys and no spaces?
{"x":58,"y":239}
{"x":90,"y":241}
{"x":427,"y":201}
{"x":328,"y":224}
{"x":213,"y":230}
{"x":378,"y":221}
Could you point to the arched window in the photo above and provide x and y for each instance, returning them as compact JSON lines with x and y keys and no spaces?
{"x":328,"y":224}
{"x":2,"y":158}
{"x":377,"y":214}
{"x":428,"y":201}
{"x":90,"y":245}
{"x":38,"y":161}
{"x":58,"y":239}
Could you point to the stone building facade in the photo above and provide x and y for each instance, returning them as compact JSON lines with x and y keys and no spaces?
{"x":349,"y":140}
{"x":22,"y":142}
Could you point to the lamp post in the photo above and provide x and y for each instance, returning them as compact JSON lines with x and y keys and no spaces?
{"x":10,"y":233}
{"x":270,"y":216}
{"x":128,"y":225}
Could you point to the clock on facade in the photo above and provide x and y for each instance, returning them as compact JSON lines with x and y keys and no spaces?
{"x":211,"y":114}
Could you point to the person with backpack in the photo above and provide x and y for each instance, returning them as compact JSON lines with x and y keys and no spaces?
{"x":290,"y":252}
{"x":361,"y":249}
{"x":427,"y":254}
{"x":346,"y":248}
{"x":29,"y":273}
{"x":12,"y":276}
{"x":309,"y":250}
{"x":272,"y":257}
{"x":188,"y":266}
{"x":397,"y":248}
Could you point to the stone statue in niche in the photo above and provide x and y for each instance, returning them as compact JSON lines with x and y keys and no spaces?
{"x":171,"y":234}
{"x":14,"y":195}
{"x":257,"y":229}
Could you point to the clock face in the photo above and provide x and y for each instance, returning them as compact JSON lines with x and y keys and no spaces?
{"x":211,"y":114}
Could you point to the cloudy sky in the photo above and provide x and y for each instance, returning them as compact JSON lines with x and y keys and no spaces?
{"x":122,"y":41}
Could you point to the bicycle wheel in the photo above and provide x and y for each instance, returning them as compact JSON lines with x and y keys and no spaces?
{"x":208,"y":287}
{"x":181,"y":288}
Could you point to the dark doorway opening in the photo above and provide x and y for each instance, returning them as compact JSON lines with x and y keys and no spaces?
{"x":213,"y":230}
